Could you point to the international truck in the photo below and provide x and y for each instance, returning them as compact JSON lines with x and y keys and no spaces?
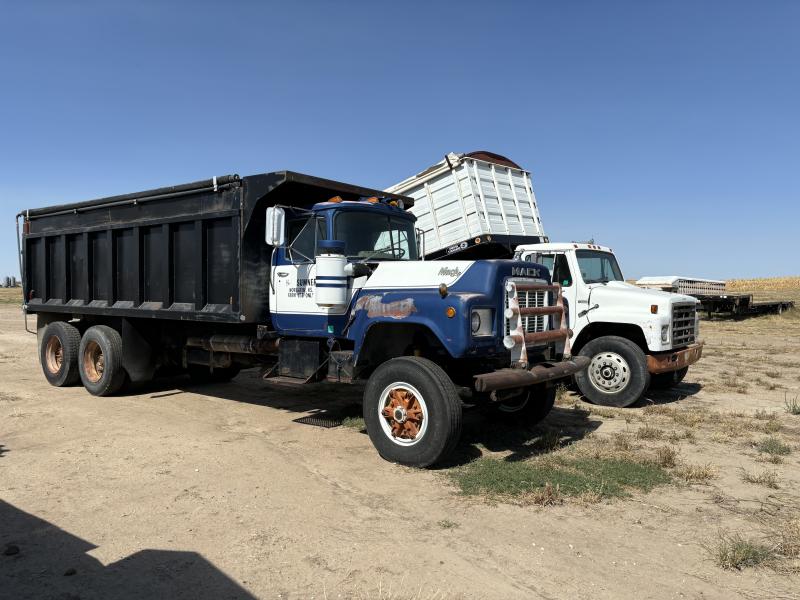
{"x":482,"y":204}
{"x":309,"y":279}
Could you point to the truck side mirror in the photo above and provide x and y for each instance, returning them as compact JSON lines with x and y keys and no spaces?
{"x":275,"y":234}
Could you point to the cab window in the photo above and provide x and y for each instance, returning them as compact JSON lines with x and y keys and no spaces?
{"x":304,"y":235}
{"x":557,"y":265}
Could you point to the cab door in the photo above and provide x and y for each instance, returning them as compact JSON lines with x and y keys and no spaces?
{"x":293,"y":304}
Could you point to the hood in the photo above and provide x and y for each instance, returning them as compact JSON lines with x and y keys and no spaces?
{"x":634,"y":298}
{"x":460,"y":276}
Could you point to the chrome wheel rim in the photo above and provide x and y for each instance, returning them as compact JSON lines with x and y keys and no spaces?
{"x":609,"y":372}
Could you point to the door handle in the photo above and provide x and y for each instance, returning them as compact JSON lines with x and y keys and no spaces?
{"x":282,"y":273}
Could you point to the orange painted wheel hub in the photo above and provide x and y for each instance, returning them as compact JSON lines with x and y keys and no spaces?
{"x":404,"y":414}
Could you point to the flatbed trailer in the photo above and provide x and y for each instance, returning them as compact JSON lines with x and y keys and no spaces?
{"x":713,"y":297}
{"x":740,"y":305}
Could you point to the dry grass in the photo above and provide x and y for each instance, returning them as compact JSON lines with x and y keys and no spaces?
{"x":666,"y":457}
{"x":765,"y":478}
{"x":788,"y":535}
{"x":733,"y":552}
{"x":696,"y":473}
{"x":680,"y":436}
{"x":792,"y":405}
{"x":769,"y":284}
{"x":11,"y":296}
{"x":648,"y":432}
{"x":773,"y":446}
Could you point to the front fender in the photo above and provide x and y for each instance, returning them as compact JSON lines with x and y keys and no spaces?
{"x":424,"y":308}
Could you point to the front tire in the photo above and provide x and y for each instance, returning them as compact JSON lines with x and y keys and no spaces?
{"x":59,"y":354}
{"x":412,"y":411}
{"x":528,"y":409}
{"x":617,"y":374}
{"x":100,"y":361}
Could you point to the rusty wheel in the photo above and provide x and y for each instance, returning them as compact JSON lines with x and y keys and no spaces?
{"x":58,"y":353}
{"x":404,"y":414}
{"x":54,"y":355}
{"x":412,"y":411}
{"x":100,"y":360}
{"x":93,"y":361}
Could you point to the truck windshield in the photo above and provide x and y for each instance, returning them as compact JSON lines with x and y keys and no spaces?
{"x":374,"y":236}
{"x":598,"y":267}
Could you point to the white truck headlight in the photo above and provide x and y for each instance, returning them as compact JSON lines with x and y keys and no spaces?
{"x":664,"y":333}
{"x":481,"y":322}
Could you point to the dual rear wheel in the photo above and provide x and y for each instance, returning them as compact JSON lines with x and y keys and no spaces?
{"x":94,"y":359}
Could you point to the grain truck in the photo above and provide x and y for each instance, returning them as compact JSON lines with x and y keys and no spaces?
{"x":309,"y":279}
{"x":482,"y":204}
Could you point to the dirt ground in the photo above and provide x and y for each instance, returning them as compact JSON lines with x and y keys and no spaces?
{"x":176,"y":491}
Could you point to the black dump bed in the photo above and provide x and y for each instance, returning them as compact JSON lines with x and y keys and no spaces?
{"x":191,"y":252}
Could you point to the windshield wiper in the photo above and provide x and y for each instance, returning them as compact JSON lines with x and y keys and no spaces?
{"x":381,"y":251}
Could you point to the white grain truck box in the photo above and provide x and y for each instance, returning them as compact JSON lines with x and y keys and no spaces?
{"x":635,"y":338}
{"x":476,"y":205}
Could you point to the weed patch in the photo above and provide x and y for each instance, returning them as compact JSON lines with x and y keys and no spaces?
{"x":765,"y":478}
{"x":773,"y":446}
{"x":666,"y":457}
{"x":733,"y":552}
{"x":792,"y":405}
{"x":546,"y":481}
{"x":648,"y":432}
{"x":355,"y":423}
{"x":447,"y":524}
{"x":692,"y":473}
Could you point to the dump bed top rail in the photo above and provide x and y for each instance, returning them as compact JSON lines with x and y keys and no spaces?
{"x":209,"y":185}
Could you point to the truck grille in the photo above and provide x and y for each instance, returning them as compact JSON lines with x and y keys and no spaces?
{"x":683,"y":324}
{"x":532,"y":323}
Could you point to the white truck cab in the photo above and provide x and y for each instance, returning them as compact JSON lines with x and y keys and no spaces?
{"x":633,"y":337}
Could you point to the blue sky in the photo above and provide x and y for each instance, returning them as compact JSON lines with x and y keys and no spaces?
{"x":669,"y":131}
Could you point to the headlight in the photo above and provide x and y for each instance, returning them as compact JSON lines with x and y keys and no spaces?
{"x":480,"y":321}
{"x":664,"y":333}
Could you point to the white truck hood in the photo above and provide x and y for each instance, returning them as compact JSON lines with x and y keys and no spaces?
{"x":634,"y":298}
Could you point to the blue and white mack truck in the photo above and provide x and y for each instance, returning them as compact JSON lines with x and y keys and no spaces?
{"x":311,"y":280}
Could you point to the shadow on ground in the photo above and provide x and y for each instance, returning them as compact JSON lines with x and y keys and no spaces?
{"x":679,"y":392}
{"x":518,"y":442}
{"x":41,"y":561}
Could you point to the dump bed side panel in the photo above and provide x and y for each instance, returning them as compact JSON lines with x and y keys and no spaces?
{"x":174,"y":256}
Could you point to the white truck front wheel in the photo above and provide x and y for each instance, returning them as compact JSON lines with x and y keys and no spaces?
{"x":617,"y":373}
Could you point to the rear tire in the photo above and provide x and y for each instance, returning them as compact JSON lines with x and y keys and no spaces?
{"x":412,"y":411}
{"x":617,"y":374}
{"x":528,"y":409}
{"x":100,"y":361}
{"x":58,"y":354}
{"x":664,"y":381}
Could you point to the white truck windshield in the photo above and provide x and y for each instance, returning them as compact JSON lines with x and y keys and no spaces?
{"x":598,"y":267}
{"x":373,"y":236}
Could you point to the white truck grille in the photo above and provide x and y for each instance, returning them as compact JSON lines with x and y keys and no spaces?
{"x":683,"y":324}
{"x":531,"y":323}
